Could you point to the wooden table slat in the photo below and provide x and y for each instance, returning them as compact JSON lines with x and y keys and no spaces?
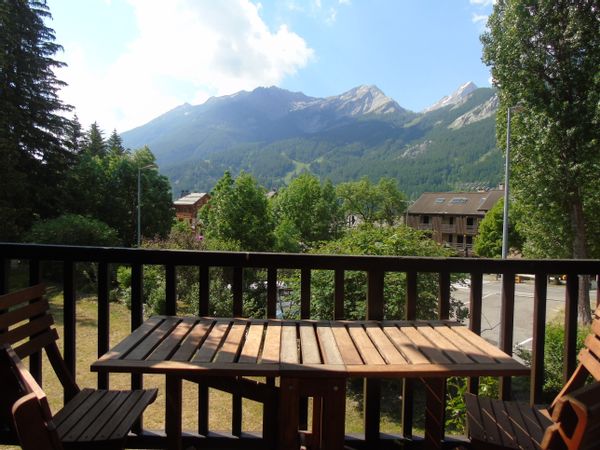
{"x":270,"y":352}
{"x":152,"y":340}
{"x":426,"y":347}
{"x":366,"y":348}
{"x":485,"y":346}
{"x":213,"y":340}
{"x":170,"y":343}
{"x":405,"y":345}
{"x":345,"y":344}
{"x":390,"y":353}
{"x":192,"y":341}
{"x":466,"y":346}
{"x":231,"y":346}
{"x":289,"y":344}
{"x":308,"y":344}
{"x":450,"y":350}
{"x":329,"y":348}
{"x":123,"y":347}
{"x":251,"y":348}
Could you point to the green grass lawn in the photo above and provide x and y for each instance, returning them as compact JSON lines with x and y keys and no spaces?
{"x":220,"y":402}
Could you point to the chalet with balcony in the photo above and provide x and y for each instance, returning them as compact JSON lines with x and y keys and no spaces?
{"x":452,"y":217}
{"x":187,"y":207}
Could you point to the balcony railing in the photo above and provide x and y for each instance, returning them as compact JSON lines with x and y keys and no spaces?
{"x":375,"y":267}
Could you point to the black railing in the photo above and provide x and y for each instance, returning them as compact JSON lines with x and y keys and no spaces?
{"x":375,"y":267}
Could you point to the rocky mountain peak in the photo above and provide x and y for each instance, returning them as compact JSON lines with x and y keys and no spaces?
{"x":362,"y":100}
{"x":455,"y":98}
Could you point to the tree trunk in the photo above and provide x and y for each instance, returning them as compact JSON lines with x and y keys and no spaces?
{"x":580,"y":252}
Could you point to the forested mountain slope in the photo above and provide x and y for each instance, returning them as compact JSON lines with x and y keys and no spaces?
{"x":275,"y":134}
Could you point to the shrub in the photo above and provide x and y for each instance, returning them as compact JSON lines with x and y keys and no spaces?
{"x":72,"y":229}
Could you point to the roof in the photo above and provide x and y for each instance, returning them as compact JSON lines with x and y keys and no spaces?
{"x":456,"y":203}
{"x":190,"y":199}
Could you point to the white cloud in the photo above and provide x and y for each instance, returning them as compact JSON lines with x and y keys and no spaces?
{"x":479,"y":18}
{"x":482,"y":2}
{"x":185,"y":50}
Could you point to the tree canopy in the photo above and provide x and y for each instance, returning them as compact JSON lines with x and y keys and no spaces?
{"x":544,"y":57}
{"x":382,"y":202}
{"x":33,"y":127}
{"x":306,"y":212}
{"x":238,"y":212}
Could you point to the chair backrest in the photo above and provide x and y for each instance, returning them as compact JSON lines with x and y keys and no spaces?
{"x":28,"y":327}
{"x":30,"y":413}
{"x":576,"y":418}
{"x":590,"y":354}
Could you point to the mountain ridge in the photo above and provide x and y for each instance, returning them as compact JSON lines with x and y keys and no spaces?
{"x":275,"y":134}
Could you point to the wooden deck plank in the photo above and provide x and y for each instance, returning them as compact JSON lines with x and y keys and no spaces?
{"x":251,"y":348}
{"x":192,"y":341}
{"x":423,"y":344}
{"x":231,"y":347}
{"x":212,"y":342}
{"x":270,"y":352}
{"x":365,"y":347}
{"x":450,"y":350}
{"x":329,"y":348}
{"x":289,"y":343}
{"x":308,"y":344}
{"x":386,"y":348}
{"x":171,"y":342}
{"x":405,"y":345}
{"x":345,"y":344}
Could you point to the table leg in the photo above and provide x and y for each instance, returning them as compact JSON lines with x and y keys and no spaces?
{"x":289,"y":417}
{"x":435,"y":407}
{"x":333,"y":415}
{"x":173,"y":412}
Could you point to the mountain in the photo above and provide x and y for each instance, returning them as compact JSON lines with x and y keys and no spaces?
{"x":276,"y":134}
{"x":458,"y":96}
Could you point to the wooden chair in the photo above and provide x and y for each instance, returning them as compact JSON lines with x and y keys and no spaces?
{"x":571,"y":422}
{"x":94,"y":418}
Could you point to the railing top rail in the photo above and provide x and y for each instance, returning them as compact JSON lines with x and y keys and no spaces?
{"x":295,"y":261}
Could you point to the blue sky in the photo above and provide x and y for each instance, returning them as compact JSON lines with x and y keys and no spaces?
{"x":132,"y":60}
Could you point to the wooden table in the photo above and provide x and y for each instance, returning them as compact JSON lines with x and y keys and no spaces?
{"x":300,"y":352}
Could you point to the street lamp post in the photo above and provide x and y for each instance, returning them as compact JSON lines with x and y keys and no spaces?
{"x":139,"y":202}
{"x":516,"y":108}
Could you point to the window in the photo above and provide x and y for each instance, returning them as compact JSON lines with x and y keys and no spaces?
{"x":425,"y":219}
{"x":469,"y":240}
{"x":470,"y":221}
{"x":459,"y":239}
{"x":440,"y":200}
{"x":458,"y":201}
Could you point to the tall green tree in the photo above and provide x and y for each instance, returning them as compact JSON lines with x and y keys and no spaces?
{"x":33,"y":154}
{"x":488,"y":242}
{"x":94,"y":142}
{"x":383,"y":202}
{"x":115,"y":144}
{"x":238,"y":212}
{"x":306,"y":211}
{"x":544,"y":57}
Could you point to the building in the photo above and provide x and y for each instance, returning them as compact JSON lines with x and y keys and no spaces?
{"x":452,"y":217}
{"x":187,"y":207}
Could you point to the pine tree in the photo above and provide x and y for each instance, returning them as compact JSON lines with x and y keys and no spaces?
{"x":34,"y":156}
{"x":115,"y":144}
{"x":95,"y":145}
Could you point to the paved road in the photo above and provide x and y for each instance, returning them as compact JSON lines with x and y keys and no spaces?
{"x":490,"y":321}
